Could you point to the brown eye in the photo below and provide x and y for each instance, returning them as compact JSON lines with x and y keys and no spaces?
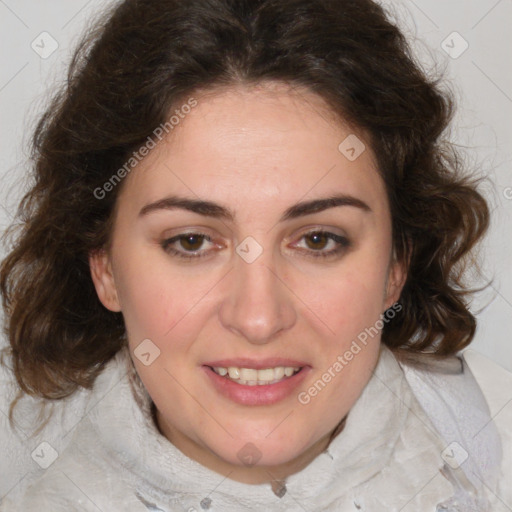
{"x":188,"y":245}
{"x":323,"y":244}
{"x":192,"y":242}
{"x":316,"y":241}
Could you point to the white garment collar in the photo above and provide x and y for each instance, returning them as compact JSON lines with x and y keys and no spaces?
{"x":164,"y":476}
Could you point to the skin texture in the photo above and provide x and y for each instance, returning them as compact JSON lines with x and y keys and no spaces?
{"x":257,"y":151}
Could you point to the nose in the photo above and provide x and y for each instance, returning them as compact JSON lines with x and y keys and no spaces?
{"x":257,"y":304}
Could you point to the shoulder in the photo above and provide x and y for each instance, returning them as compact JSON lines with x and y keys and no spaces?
{"x":495,"y":382}
{"x":54,"y":492}
{"x":82,"y":478}
{"x":469,"y":401}
{"x":76,"y":482}
{"x":496,"y":385}
{"x":61,"y":468}
{"x":36,"y":425}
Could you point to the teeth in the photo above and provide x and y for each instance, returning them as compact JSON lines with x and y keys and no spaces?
{"x":279,"y":372}
{"x":266,"y":375}
{"x":234,"y":373}
{"x":253,"y":377}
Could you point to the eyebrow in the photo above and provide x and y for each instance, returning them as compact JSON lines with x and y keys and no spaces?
{"x":211,"y":209}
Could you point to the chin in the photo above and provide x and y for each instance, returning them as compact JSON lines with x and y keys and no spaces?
{"x":261,"y":452}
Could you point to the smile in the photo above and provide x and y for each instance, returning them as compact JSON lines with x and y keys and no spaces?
{"x":254,"y":377}
{"x":246,"y":386}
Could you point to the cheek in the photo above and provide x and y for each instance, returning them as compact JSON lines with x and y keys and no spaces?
{"x":156,"y":301}
{"x":350,"y":306}
{"x":346,"y":301}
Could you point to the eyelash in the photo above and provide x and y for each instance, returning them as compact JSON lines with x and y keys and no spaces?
{"x":343,"y":244}
{"x":166,"y":245}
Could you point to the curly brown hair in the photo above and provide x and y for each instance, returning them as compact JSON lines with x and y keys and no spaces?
{"x":126,"y":78}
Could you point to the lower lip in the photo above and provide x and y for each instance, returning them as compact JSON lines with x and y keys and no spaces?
{"x":266,"y":394}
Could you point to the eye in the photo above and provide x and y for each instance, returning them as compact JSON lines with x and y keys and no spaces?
{"x":188,"y":245}
{"x":323,"y":243}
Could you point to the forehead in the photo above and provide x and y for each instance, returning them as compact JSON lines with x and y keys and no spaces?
{"x":260,"y":145}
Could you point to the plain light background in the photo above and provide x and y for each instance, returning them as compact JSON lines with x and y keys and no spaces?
{"x":468,"y":39}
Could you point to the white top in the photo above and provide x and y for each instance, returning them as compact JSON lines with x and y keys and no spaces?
{"x":414,"y":441}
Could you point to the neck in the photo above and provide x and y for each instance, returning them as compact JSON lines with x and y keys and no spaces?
{"x":245,"y":474}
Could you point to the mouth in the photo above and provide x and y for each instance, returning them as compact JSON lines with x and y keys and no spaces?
{"x":256,"y":386}
{"x":255,"y":377}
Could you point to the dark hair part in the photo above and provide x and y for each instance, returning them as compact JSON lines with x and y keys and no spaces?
{"x":125,"y":80}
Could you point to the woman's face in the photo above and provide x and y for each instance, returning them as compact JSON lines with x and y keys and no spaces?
{"x":249,"y":238}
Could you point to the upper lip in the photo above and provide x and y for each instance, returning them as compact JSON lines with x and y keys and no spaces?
{"x":257,"y":364}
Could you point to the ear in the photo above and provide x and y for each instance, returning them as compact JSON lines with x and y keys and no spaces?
{"x":397,"y":275}
{"x":103,"y":279}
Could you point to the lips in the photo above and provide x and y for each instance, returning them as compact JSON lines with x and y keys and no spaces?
{"x":266,"y":394}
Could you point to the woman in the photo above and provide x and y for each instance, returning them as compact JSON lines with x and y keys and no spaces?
{"x":247,"y":239}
